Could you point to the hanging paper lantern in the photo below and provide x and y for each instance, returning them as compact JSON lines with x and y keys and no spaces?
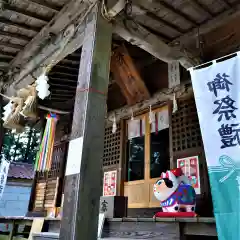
{"x":42,"y":86}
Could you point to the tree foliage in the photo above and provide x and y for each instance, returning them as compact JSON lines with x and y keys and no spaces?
{"x":21,"y":147}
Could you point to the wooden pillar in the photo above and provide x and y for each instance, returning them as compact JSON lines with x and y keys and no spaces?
{"x":1,"y":124}
{"x":83,"y":186}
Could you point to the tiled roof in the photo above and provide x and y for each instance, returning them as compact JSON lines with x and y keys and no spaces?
{"x":21,"y":170}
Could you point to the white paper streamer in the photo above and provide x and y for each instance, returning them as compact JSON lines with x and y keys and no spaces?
{"x":151,"y":115}
{"x":7,"y":111}
{"x":175,"y":106}
{"x":114,"y":126}
{"x":42,"y":86}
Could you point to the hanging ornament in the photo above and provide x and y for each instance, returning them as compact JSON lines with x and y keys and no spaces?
{"x":14,"y":119}
{"x":151,"y":115}
{"x":42,"y":86}
{"x":30,"y":107}
{"x":7,"y":111}
{"x":114,"y":126}
{"x":175,"y":106}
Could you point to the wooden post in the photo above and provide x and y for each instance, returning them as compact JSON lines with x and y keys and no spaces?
{"x":83,"y":186}
{"x":1,"y":124}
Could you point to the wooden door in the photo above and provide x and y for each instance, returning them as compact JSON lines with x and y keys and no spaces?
{"x":140,"y":192}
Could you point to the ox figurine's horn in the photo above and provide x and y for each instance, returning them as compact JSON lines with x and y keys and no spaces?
{"x":172,"y":177}
{"x":163,"y":175}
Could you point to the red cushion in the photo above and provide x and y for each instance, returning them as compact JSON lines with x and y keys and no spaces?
{"x":175,"y":214}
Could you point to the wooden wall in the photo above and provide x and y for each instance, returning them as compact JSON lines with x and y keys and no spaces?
{"x":48,"y":187}
{"x":185,"y":141}
{"x":112,"y":154}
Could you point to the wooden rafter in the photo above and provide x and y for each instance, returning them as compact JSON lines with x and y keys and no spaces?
{"x":62,"y":90}
{"x":62,"y":95}
{"x":11,"y":45}
{"x":127,"y":76}
{"x":26,"y":13}
{"x":7,"y":57}
{"x":210,"y":25}
{"x":163,"y":5}
{"x":70,"y":62}
{"x":61,"y":20}
{"x":68,"y":74}
{"x":140,"y":36}
{"x":201,"y":7}
{"x":65,"y":86}
{"x":8,"y":54}
{"x":144,"y":17}
{"x":15,"y":35}
{"x":227,"y":4}
{"x":67,"y":80}
{"x":46,"y":4}
{"x":19,"y":25}
{"x":62,"y":66}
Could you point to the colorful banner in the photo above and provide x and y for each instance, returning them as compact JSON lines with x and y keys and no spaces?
{"x":217,"y":95}
{"x":190,"y":168}
{"x":4,"y":167}
{"x":110,"y":183}
{"x":44,"y":155}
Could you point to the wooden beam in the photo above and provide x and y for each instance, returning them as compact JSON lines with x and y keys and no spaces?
{"x":66,"y":80}
{"x":81,"y":203}
{"x":11,"y":45}
{"x":74,"y":10}
{"x":62,"y":99}
{"x":59,"y":92}
{"x":160,"y":4}
{"x":46,"y":4}
{"x":50,"y":52}
{"x":4,"y":64}
{"x":149,"y":19}
{"x":7,"y":57}
{"x":71,"y":62}
{"x":66,"y":74}
{"x":162,"y":96}
{"x":26,"y":13}
{"x":15,"y":35}
{"x":200,"y":6}
{"x":67,"y":95}
{"x":62,"y":66}
{"x":19,"y":25}
{"x":138,"y":35}
{"x":127,"y":76}
{"x":63,"y":86}
{"x":209,"y":26}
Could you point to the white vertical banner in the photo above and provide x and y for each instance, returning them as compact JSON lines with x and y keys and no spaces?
{"x":4,"y":167}
{"x":217,"y":95}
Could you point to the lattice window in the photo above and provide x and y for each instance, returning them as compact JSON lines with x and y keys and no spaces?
{"x":185,"y":126}
{"x":112,"y":142}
